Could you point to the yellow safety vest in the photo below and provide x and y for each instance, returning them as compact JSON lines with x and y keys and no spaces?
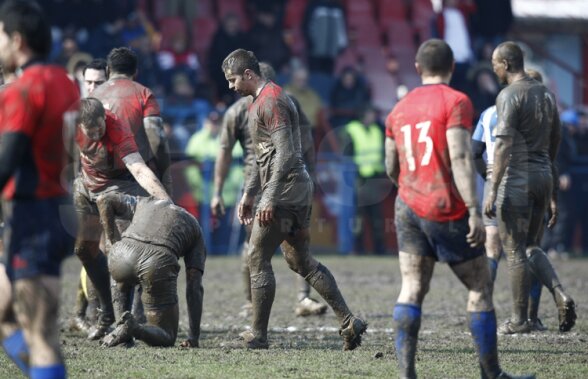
{"x":367,"y":148}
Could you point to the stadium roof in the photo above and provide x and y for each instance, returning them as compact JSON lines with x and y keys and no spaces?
{"x":551,"y":9}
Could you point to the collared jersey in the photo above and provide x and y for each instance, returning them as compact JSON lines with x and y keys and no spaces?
{"x":418,"y":124}
{"x":486,"y":132}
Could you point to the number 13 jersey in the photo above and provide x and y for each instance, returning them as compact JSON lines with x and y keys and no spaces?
{"x":418,"y":124}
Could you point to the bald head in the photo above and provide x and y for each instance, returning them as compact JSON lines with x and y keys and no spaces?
{"x":512,"y":54}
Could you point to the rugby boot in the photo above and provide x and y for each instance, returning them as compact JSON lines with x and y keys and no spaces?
{"x":536,"y":325}
{"x":123,"y":333}
{"x":247,"y":340}
{"x":351,"y":332}
{"x":510,"y":327}
{"x":79,"y":324}
{"x":309,"y":307}
{"x":566,"y":310}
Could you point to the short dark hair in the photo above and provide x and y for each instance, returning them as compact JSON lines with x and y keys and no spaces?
{"x":98,"y":64}
{"x":534,"y":74}
{"x":27,"y":18}
{"x":513,"y":55}
{"x":435,"y":57}
{"x":267,"y":71}
{"x":122,"y":60}
{"x":240,"y":60}
{"x":91,"y":109}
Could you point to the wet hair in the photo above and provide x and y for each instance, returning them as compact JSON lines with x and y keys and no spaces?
{"x":26,"y":18}
{"x":513,"y":55}
{"x":435,"y":57}
{"x":267,"y":71}
{"x":97,"y":64}
{"x":534,"y":74}
{"x":91,"y":109}
{"x":240,"y":60}
{"x":122,"y":60}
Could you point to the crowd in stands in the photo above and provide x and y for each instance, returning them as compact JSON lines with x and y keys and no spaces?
{"x":338,"y":57}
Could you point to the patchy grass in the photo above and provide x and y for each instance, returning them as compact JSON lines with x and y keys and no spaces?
{"x":311,"y":347}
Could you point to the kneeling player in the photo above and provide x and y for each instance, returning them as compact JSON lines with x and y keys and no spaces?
{"x":160,"y":233}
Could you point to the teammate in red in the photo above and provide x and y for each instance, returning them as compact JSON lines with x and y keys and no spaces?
{"x":136,"y":105}
{"x":428,"y":155}
{"x":40,"y":222}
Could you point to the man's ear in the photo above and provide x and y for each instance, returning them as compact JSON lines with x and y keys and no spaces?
{"x":247,"y":74}
{"x":418,"y":69}
{"x":17,"y":40}
{"x":506,"y":66}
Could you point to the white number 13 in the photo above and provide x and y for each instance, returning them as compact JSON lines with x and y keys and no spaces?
{"x":423,"y":127}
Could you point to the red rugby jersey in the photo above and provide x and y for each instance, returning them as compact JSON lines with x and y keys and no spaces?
{"x":418,"y":124}
{"x":102,"y":160}
{"x":39,"y":104}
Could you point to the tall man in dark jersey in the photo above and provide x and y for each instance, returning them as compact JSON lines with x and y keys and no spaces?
{"x":110,"y":162}
{"x":234,"y":128}
{"x":282,"y":215}
{"x":159,"y":234}
{"x":428,"y":155}
{"x":136,"y":105}
{"x":524,"y":183}
{"x":40,"y":223}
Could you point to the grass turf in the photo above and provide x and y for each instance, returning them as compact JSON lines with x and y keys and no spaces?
{"x":311,"y":347}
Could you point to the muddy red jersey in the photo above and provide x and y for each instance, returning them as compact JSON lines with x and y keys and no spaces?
{"x":39,"y":105}
{"x":418,"y":124}
{"x":131,"y":102}
{"x":102,"y":160}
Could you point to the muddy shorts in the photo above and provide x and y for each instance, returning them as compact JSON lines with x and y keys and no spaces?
{"x":292,"y":219}
{"x":154,"y":267}
{"x":38,"y":236}
{"x":85,"y":200}
{"x":443,"y":241}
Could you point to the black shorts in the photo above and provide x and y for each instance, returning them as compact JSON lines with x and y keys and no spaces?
{"x":443,"y":241}
{"x":38,"y":236}
{"x":85,"y":200}
{"x":154,"y":267}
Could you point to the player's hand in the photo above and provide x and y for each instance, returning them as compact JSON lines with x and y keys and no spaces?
{"x":245,"y":211}
{"x":552,"y":212}
{"x":489,"y":204}
{"x":217,"y":206}
{"x":265,"y":215}
{"x":477,"y":234}
{"x":189,"y":343}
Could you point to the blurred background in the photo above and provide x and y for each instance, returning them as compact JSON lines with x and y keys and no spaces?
{"x":347,"y":62}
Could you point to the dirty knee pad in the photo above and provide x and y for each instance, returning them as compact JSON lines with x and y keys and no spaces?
{"x":263,"y":279}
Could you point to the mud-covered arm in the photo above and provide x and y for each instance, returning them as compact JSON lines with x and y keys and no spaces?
{"x":283,"y":161}
{"x":391,"y":160}
{"x":554,"y":143}
{"x":478,"y":149}
{"x":194,"y":262}
{"x":113,"y":205}
{"x":308,"y":153}
{"x":253,"y":183}
{"x":144,"y":176}
{"x":159,"y":148}
{"x":506,"y":111}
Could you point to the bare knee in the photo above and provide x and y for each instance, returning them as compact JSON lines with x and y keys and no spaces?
{"x":413,"y":291}
{"x":493,"y":247}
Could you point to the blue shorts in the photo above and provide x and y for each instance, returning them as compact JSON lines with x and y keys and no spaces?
{"x":38,"y":236}
{"x":443,"y":241}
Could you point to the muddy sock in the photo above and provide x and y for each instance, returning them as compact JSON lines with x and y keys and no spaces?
{"x":303,"y":288}
{"x":519,"y":283}
{"x":483,"y":328}
{"x":407,"y":318}
{"x":325,"y":285}
{"x":541,"y":267}
{"x":48,"y":372}
{"x":263,"y":290}
{"x":534,"y":298}
{"x":97,"y":271}
{"x":493,"y":265}
{"x":246,"y":275}
{"x":17,"y":350}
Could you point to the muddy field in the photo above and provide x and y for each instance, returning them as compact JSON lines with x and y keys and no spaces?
{"x":310,"y":347}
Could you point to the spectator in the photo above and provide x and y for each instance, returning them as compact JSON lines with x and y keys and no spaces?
{"x":266,"y":40}
{"x":349,"y":96}
{"x":227,"y":38}
{"x":325,"y":32}
{"x":148,"y":74}
{"x":309,"y":100}
{"x":490,"y":23}
{"x":363,"y":141}
{"x":178,"y":59}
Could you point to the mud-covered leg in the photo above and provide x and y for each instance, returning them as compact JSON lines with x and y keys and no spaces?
{"x":161,"y":328}
{"x":493,"y":250}
{"x":246,"y":275}
{"x":122,"y":295}
{"x":416,"y":272}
